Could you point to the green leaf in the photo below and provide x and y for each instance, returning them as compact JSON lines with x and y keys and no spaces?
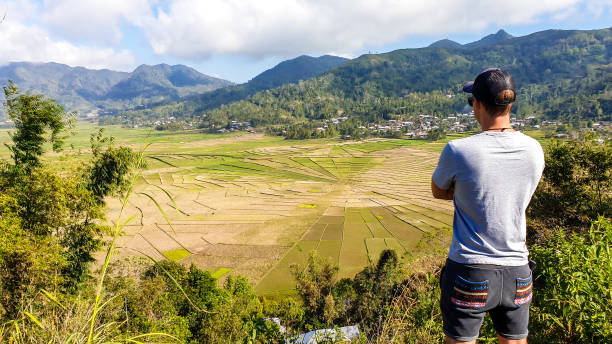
{"x":34,"y":319}
{"x":53,"y":298}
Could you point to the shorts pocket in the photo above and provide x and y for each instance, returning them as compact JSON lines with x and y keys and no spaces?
{"x":469,"y":294}
{"x":524,"y":290}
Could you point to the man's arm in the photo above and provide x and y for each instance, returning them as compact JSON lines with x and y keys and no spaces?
{"x":441,"y":193}
{"x":444,"y":174}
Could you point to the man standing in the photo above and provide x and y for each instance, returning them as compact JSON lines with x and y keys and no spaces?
{"x":490,"y":177}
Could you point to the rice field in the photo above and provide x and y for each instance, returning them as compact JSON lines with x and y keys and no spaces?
{"x":254,"y":205}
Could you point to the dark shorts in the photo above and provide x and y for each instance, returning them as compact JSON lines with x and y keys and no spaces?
{"x":470,"y":291}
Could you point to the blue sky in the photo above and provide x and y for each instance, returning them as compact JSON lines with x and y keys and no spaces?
{"x":238,"y":39}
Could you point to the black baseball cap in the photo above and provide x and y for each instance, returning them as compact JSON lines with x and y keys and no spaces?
{"x":489,"y":84}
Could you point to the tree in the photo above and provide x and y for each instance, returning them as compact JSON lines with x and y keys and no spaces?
{"x":366,"y":296}
{"x":27,"y":262}
{"x":315,"y":282}
{"x":35,"y":117}
{"x":63,"y":210}
{"x":107,"y":172}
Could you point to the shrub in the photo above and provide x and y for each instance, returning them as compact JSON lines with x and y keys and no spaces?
{"x":573,"y":287}
{"x":574,"y":188}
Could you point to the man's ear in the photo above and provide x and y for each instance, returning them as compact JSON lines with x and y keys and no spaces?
{"x":476,"y":104}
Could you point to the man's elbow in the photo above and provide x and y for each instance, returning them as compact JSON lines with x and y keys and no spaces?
{"x":439,"y":193}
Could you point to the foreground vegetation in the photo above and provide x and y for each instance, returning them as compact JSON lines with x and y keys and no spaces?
{"x":51,"y":224}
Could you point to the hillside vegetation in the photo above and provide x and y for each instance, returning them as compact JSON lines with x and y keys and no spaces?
{"x":560,"y":74}
{"x":292,"y":71}
{"x":287,"y":72}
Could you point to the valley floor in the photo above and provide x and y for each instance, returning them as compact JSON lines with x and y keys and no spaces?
{"x":254,"y":205}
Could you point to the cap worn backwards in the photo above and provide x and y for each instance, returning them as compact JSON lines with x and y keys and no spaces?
{"x":488,"y":86}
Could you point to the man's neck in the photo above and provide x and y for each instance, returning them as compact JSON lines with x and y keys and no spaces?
{"x":499,"y":123}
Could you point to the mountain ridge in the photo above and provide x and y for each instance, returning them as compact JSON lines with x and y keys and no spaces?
{"x":445,"y":43}
{"x":560,"y":74}
{"x":300,"y":68}
{"x":290,"y":71}
{"x":494,"y":38}
{"x":83,"y":89}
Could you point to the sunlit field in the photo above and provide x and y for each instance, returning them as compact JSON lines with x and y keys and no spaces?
{"x":254,"y":205}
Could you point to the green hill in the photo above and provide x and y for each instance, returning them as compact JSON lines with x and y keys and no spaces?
{"x":164,"y":81}
{"x":540,"y":58}
{"x":560,"y":75}
{"x":291,"y":71}
{"x":491,"y":39}
{"x":445,"y":43}
{"x":286,"y":72}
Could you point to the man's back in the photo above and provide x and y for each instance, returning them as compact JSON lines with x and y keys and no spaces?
{"x":494,"y":176}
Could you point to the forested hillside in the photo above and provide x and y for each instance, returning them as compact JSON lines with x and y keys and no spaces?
{"x":286,"y":72}
{"x":560,"y":75}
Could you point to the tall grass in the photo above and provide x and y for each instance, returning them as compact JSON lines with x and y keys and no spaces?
{"x":94,"y":332}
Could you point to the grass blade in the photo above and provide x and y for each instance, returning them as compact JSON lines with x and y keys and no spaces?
{"x":53,"y":298}
{"x":169,"y":196}
{"x":34,"y":320}
{"x":160,"y":209}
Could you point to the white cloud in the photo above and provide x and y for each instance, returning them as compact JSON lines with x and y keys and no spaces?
{"x":600,"y":7}
{"x":88,"y":32}
{"x":92,"y":20}
{"x":197,"y":29}
{"x":21,"y":42}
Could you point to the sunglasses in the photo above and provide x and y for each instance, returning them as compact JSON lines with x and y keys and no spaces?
{"x":471,"y":101}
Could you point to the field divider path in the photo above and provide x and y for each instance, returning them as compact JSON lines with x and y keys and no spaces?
{"x":140,"y":210}
{"x":202,"y":204}
{"x":228,"y":182}
{"x":172,"y":237}
{"x":161,"y":160}
{"x":403,"y":199}
{"x":349,"y":153}
{"x":367,"y":225}
{"x":399,"y":218}
{"x":324,"y":169}
{"x":342,"y":241}
{"x":390,"y":232}
{"x":152,"y":246}
{"x":294,"y":169}
{"x":427,"y":216}
{"x":320,"y":237}
{"x":206,"y":181}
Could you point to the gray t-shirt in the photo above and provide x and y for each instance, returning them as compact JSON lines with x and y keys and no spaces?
{"x":495,"y":175}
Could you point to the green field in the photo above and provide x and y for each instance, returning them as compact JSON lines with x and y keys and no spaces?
{"x":253,"y":205}
{"x":176,"y":255}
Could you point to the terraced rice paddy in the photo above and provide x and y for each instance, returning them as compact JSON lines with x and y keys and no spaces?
{"x":255,"y":207}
